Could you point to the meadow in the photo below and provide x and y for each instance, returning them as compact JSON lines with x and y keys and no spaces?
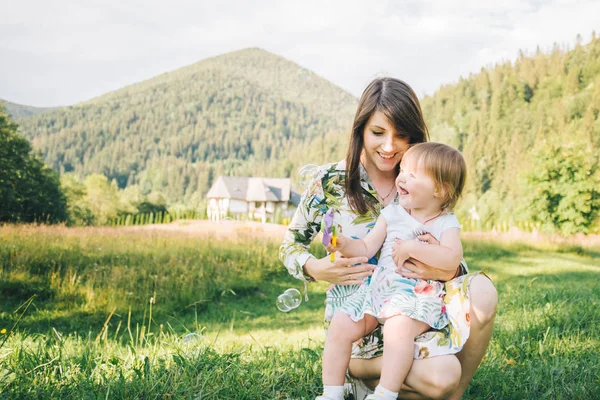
{"x":97,"y":313}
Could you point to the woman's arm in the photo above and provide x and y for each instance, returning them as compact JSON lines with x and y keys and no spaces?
{"x":445,"y":256}
{"x":294,"y":252}
{"x":306,"y":223}
{"x":415,"y":269}
{"x":343,"y":271}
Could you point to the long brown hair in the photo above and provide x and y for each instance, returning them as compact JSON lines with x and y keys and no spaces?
{"x":399,"y":103}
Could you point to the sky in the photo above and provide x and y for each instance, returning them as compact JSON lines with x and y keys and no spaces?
{"x":60,"y":52}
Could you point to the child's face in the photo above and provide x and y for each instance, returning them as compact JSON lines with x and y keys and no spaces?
{"x":416,"y":189}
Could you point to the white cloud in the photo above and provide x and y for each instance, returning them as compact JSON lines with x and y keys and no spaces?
{"x":61,"y":52}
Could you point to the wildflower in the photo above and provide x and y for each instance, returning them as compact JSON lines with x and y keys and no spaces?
{"x":3,"y":331}
{"x":151,"y":300}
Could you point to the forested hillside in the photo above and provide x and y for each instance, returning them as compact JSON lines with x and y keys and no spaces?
{"x":530,"y":132}
{"x":244,"y":113}
{"x":17,"y":111}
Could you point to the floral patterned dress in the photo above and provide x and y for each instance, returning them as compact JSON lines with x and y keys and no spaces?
{"x":326,"y":190}
{"x":388,"y":293}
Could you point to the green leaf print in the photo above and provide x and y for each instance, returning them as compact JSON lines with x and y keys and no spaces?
{"x":365,"y":218}
{"x":303,"y":237}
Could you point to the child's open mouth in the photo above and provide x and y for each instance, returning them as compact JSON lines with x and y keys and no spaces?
{"x":402,"y":192}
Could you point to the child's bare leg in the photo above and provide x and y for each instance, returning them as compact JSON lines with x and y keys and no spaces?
{"x":399,"y":334}
{"x":338,"y":345}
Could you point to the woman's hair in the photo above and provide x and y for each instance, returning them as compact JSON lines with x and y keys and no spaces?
{"x":399,"y":103}
{"x":444,"y":165}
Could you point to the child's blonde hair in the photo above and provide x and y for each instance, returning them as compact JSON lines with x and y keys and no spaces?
{"x":445,"y":166}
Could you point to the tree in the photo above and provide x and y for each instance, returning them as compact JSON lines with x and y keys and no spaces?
{"x":102,"y":198}
{"x":78,"y":209}
{"x":565,"y":187}
{"x":29,"y":190}
{"x":129,"y":200}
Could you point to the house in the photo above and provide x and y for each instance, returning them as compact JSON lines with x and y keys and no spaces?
{"x":265,"y":199}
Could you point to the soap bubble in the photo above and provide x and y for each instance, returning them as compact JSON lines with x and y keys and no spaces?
{"x":307,"y":173}
{"x":283,"y":302}
{"x":289,"y":300}
{"x":192,"y":338}
{"x":295,"y":297}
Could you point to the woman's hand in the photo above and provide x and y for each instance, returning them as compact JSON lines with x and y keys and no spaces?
{"x":340,"y":272}
{"x":415,"y":269}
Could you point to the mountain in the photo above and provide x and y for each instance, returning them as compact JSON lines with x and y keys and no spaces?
{"x":248,"y":112}
{"x":19,"y":111}
{"x":529,"y":131}
{"x":515,"y":121}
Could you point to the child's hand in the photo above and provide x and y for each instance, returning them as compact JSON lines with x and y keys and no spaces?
{"x":341,"y":242}
{"x":428,"y":238}
{"x":400,"y":252}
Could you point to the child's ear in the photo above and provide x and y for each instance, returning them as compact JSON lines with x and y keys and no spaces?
{"x":440,"y":191}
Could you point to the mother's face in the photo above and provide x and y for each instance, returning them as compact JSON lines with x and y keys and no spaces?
{"x":383,"y":145}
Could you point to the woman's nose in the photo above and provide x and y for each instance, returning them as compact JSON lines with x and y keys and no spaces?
{"x":388,"y":144}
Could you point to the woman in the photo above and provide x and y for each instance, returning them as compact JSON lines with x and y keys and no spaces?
{"x":387,"y":121}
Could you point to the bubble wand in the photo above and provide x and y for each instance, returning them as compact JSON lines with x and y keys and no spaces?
{"x":330,"y":232}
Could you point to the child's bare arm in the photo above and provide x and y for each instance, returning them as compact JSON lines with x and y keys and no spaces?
{"x":446,"y":256}
{"x":366,"y":247}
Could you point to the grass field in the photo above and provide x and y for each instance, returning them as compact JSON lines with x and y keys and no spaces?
{"x":121,"y":313}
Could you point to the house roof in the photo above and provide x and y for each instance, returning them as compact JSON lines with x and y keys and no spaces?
{"x":253,"y":189}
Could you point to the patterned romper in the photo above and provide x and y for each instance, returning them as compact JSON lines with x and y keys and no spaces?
{"x":388,"y":294}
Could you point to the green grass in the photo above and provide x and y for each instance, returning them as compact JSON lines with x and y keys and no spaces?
{"x":92,"y":332}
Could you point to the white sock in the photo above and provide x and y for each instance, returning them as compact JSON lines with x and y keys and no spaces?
{"x":333,"y":392}
{"x":385,"y":394}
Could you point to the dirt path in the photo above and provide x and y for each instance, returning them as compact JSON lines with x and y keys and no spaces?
{"x":225,"y":228}
{"x":228,"y":228}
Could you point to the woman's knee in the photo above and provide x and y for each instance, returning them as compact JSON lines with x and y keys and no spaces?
{"x":484,"y":299}
{"x":444,"y":383}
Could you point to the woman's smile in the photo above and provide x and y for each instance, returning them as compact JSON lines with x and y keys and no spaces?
{"x":387,"y":157}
